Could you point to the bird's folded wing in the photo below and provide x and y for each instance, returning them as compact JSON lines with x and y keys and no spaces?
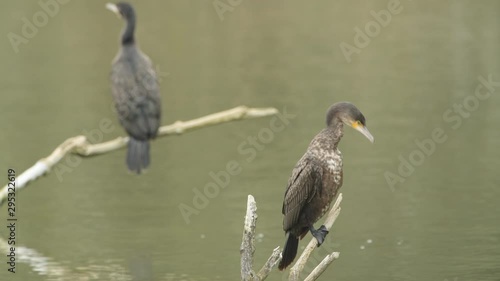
{"x":302,"y":186}
{"x":137,"y":99}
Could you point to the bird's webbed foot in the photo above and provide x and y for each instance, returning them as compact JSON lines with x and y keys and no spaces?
{"x":319,"y":233}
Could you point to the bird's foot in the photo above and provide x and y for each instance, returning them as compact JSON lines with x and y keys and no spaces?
{"x":319,"y":234}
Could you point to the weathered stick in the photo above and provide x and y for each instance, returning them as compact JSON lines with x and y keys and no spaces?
{"x":181,"y":127}
{"x":302,"y":260}
{"x":270,"y":264}
{"x":79,"y":144}
{"x":318,"y":270}
{"x":247,"y":248}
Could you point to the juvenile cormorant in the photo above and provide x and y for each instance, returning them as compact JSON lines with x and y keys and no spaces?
{"x":316,"y":179}
{"x":135,"y":91}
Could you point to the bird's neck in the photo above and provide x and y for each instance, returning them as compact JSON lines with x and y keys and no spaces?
{"x":335,"y":131}
{"x":128,"y":32}
{"x":327,"y":140}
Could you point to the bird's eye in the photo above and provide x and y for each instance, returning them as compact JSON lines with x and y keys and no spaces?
{"x":356,"y":124}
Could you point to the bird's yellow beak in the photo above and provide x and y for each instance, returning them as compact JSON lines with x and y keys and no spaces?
{"x":363,"y":130}
{"x":113,"y":8}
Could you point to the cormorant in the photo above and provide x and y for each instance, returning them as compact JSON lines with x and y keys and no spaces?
{"x":316,"y":179}
{"x":135,"y":91}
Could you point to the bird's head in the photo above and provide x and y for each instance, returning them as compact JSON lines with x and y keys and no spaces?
{"x":122,"y":9}
{"x":350,"y":115}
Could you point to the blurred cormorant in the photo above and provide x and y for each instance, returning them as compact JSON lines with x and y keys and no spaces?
{"x":135,"y":92}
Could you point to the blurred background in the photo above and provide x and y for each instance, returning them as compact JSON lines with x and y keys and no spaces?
{"x":437,"y":217}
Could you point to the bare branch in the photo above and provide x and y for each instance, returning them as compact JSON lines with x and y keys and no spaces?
{"x":181,"y":127}
{"x":270,"y":264}
{"x":322,"y":266}
{"x":80,"y":146}
{"x":247,"y":247}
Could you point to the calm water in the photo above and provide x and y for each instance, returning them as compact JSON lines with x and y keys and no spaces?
{"x":436,"y":219}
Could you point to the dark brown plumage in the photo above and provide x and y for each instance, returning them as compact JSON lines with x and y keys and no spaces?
{"x":316,"y":179}
{"x":135,"y":91}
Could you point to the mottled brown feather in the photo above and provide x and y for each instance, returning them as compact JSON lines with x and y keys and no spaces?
{"x":304,"y":183}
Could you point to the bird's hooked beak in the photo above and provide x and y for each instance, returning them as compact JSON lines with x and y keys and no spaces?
{"x":113,"y":8}
{"x":363,"y":130}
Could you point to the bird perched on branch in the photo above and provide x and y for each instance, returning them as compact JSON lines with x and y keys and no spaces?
{"x":316,"y":179}
{"x":135,"y":92}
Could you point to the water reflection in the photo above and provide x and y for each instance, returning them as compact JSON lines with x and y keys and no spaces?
{"x":50,"y":269}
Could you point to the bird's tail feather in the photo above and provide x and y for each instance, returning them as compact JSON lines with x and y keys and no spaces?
{"x":137,"y":155}
{"x":289,"y":251}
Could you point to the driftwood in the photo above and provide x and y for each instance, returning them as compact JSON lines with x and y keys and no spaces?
{"x":247,"y":248}
{"x":80,"y":146}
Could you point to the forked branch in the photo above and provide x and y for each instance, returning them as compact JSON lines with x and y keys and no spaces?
{"x":247,"y":248}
